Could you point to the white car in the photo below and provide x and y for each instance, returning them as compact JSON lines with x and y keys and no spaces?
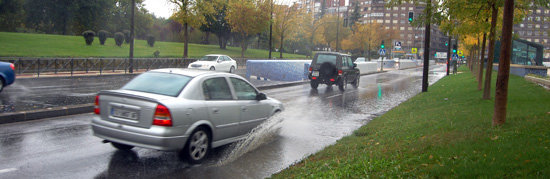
{"x":215,"y":62}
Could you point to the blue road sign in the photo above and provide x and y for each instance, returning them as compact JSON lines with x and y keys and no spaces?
{"x":455,"y":56}
{"x":382,"y":52}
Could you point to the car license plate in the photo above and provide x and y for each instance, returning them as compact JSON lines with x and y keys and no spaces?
{"x":315,"y":73}
{"x":124,"y":114}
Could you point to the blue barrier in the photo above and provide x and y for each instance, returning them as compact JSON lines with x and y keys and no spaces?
{"x":278,"y":70}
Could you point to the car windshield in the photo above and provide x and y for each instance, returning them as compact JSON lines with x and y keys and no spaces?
{"x":158,"y":83}
{"x":208,"y":58}
{"x":322,"y":58}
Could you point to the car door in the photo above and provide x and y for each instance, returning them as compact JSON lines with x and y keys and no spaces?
{"x":226,"y":63}
{"x":223,"y":112}
{"x":350,"y":71}
{"x":253,"y":112}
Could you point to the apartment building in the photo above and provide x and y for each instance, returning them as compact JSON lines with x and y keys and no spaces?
{"x":535,"y":28}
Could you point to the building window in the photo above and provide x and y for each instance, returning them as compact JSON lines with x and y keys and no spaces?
{"x":529,"y":40}
{"x":410,"y":28}
{"x":401,"y":28}
{"x":521,"y":25}
{"x":403,"y":8}
{"x":409,"y":35}
{"x":538,"y":11}
{"x":401,"y":35}
{"x":537,"y":26}
{"x":387,"y":28}
{"x":395,"y":15}
{"x":402,"y":15}
{"x":536,"y":40}
{"x":410,"y":8}
{"x":395,"y":22}
{"x":387,"y":21}
{"x":387,"y":14}
{"x":395,"y":8}
{"x":380,"y":21}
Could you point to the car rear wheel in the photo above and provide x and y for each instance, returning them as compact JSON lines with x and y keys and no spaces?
{"x":120,"y":146}
{"x":355,"y":83}
{"x":212,"y":68}
{"x":343,"y":84}
{"x":232,"y":69}
{"x":314,"y":84}
{"x":197,"y":147}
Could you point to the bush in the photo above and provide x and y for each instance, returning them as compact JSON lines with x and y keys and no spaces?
{"x":119,"y":38}
{"x":88,"y":36}
{"x":151,"y":40}
{"x":156,"y":54}
{"x":126,"y":36}
{"x":102,"y":34}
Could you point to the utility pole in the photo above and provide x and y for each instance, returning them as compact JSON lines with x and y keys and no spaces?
{"x":427,"y":47}
{"x":131,"y":61}
{"x":271,"y":30}
{"x":337,"y":24}
{"x":448,"y":53}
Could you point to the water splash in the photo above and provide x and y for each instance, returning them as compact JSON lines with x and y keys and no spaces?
{"x":264,"y":133}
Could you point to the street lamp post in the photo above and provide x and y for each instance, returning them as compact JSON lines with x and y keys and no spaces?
{"x":337,"y":25}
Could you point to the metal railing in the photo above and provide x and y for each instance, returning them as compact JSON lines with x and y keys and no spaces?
{"x":99,"y":66}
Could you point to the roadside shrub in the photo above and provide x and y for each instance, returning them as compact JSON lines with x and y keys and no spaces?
{"x":88,"y":36}
{"x":156,"y":54}
{"x":126,"y":36}
{"x":151,"y":40}
{"x":102,"y":34}
{"x":119,"y":38}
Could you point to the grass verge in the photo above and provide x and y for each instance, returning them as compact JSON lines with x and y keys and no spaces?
{"x":446,"y":132}
{"x":45,"y":45}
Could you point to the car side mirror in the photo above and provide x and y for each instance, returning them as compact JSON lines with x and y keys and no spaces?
{"x":261,"y":96}
{"x":354,"y":65}
{"x":219,"y":61}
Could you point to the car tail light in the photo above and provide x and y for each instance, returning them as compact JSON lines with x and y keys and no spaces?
{"x":332,"y":80}
{"x":310,"y":69}
{"x":340,"y":72}
{"x":313,"y":78}
{"x":12,"y":67}
{"x":162,"y":116}
{"x":96,"y":106}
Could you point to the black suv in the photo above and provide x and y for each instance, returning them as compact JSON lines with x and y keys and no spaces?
{"x":333,"y":68}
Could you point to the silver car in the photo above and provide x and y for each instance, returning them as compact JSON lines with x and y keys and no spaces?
{"x":185,"y":110}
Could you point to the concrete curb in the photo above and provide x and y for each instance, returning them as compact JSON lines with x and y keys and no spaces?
{"x":45,"y":113}
{"x":541,"y":81}
{"x":22,"y":116}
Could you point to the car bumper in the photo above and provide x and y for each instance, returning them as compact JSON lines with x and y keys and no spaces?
{"x":137,"y":136}
{"x":324,"y":80}
{"x":200,"y":68}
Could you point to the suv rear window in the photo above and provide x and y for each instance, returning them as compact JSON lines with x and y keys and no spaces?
{"x":158,"y":83}
{"x":322,"y":58}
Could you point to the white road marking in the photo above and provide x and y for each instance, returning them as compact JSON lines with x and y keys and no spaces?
{"x":7,"y":170}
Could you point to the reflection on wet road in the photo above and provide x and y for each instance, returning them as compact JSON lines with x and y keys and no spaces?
{"x":313,"y":119}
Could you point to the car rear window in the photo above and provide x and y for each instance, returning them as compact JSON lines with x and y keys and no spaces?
{"x":158,"y":83}
{"x":322,"y":58}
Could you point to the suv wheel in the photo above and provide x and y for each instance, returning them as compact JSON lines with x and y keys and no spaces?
{"x":314,"y":84}
{"x":120,"y":146}
{"x":343,"y":84}
{"x":355,"y":83}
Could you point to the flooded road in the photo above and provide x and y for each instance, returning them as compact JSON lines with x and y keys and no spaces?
{"x":312,"y":119}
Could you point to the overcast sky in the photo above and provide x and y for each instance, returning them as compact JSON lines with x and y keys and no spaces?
{"x":163,"y":8}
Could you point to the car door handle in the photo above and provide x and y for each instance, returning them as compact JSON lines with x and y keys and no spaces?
{"x":215,"y":110}
{"x":244,"y":109}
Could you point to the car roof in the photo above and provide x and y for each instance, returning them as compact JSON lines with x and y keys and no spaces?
{"x":190,"y":72}
{"x":333,"y":53}
{"x":215,"y":55}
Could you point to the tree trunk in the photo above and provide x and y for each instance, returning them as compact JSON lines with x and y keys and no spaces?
{"x":243,"y":44}
{"x":281,"y":47}
{"x":489,"y":70}
{"x":426,"y":50}
{"x":185,"y":39}
{"x":131,"y":60}
{"x":207,"y":37}
{"x":501,"y":95}
{"x":481,"y":62}
{"x":220,"y":40}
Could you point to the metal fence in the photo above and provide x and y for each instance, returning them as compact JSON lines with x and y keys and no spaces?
{"x":41,"y":66}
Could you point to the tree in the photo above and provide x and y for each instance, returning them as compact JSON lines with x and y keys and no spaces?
{"x":247,"y":17}
{"x":11,"y":13}
{"x":355,"y":15}
{"x":501,"y":94}
{"x":365,"y":37}
{"x":191,"y":12}
{"x":284,"y":23}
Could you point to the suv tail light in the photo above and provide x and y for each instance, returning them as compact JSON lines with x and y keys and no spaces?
{"x":310,"y":69}
{"x":96,"y":106}
{"x":340,"y":72}
{"x":162,"y":116}
{"x":12,"y":66}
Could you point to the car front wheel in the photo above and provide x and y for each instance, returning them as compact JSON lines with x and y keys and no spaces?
{"x":197,"y":147}
{"x":355,"y":83}
{"x":232,"y":69}
{"x":212,"y":68}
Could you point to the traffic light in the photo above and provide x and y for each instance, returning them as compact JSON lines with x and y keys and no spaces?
{"x":454,"y":49}
{"x":382,"y":45}
{"x":411,"y":15}
{"x":446,"y":44}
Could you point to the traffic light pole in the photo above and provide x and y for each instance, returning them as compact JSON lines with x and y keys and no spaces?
{"x":448,"y":54}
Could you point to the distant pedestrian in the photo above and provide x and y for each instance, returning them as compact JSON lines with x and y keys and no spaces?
{"x":454,"y":63}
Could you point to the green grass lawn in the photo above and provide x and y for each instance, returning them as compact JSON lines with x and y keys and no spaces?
{"x":43,"y":45}
{"x":446,"y":132}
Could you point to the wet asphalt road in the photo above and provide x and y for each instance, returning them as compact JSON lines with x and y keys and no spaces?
{"x":65,"y":148}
